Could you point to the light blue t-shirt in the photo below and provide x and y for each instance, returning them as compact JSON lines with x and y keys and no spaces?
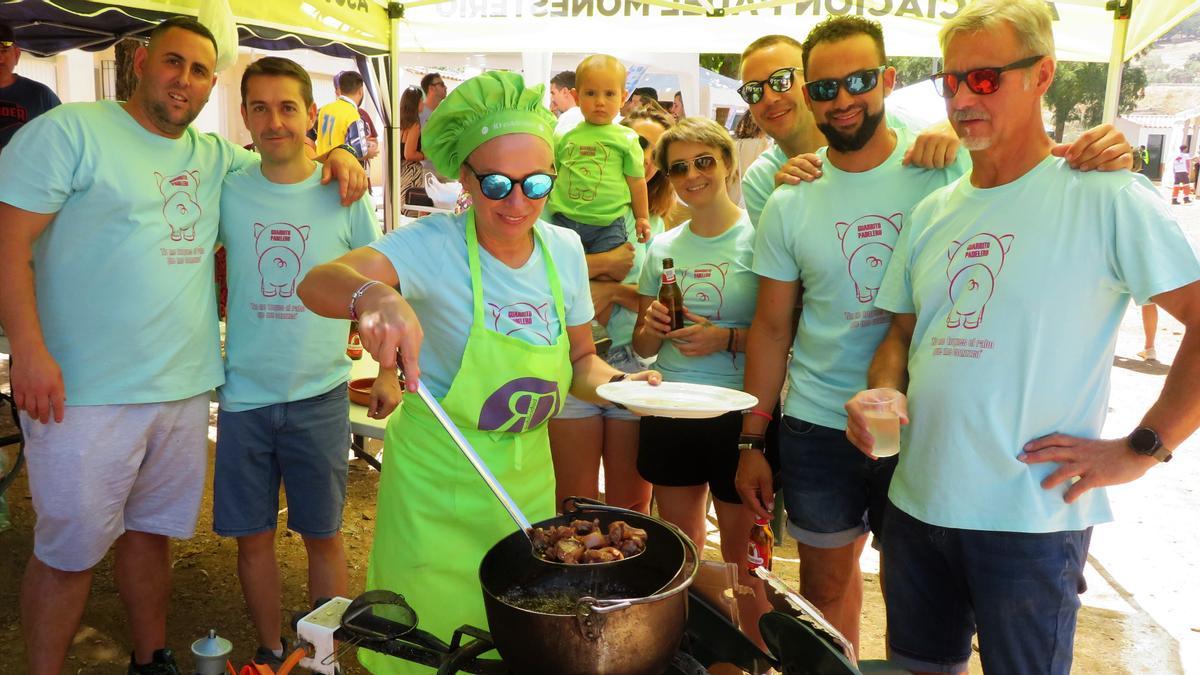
{"x":758,"y":181}
{"x":715,"y":276}
{"x":124,"y":271}
{"x":836,"y":235}
{"x":1018,"y":292}
{"x":276,"y":351}
{"x":430,"y":257}
{"x":620,"y":320}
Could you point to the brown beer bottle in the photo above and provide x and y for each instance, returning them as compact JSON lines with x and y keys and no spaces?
{"x":354,"y":347}
{"x":669,"y":295}
{"x":762,"y":544}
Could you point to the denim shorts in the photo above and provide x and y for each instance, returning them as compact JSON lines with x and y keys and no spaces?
{"x":832,"y":491}
{"x":1019,"y":590}
{"x":622,"y":358}
{"x":305,"y":444}
{"x":595,"y":238}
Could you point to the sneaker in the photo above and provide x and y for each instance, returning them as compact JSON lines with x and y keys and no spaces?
{"x":266,"y":657}
{"x":1186,"y":200}
{"x":1148,"y":354}
{"x":1175,"y":202}
{"x":162,"y":663}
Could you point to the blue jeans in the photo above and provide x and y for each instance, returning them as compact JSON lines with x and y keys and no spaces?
{"x":832,"y":491}
{"x":305,"y":444}
{"x":595,"y":238}
{"x":1019,"y":590}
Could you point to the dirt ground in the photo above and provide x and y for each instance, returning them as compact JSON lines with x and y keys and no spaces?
{"x":206,"y":594}
{"x":1120,"y":626}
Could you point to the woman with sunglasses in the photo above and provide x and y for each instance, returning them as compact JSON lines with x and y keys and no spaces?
{"x":493,"y":315}
{"x":712,"y":255}
{"x":584,"y":434}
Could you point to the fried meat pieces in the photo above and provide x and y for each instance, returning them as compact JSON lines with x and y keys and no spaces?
{"x":584,"y":542}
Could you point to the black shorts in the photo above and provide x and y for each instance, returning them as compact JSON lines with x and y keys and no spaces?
{"x":1182,"y":178}
{"x":682,"y":452}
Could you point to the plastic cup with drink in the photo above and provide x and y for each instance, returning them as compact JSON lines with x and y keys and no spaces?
{"x":882,"y":409}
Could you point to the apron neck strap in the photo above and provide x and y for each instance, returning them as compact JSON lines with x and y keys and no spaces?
{"x":477,"y":274}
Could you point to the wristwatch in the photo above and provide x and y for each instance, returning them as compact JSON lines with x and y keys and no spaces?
{"x":749,"y":442}
{"x":1145,"y":441}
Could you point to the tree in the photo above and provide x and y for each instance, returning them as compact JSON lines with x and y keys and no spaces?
{"x":728,"y":65}
{"x":913,"y":69}
{"x":1077,"y":93}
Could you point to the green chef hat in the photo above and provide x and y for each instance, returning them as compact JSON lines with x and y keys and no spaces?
{"x":484,"y":107}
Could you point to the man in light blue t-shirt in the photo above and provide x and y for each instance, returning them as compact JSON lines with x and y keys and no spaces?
{"x":284,"y":410}
{"x":833,"y":237}
{"x":1008,"y":287}
{"x":771,"y":75}
{"x":106,"y":264}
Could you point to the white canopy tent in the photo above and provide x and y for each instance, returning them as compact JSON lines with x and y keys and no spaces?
{"x":1084,"y":30}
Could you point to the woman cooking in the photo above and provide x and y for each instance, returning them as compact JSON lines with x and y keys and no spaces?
{"x":493,"y":314}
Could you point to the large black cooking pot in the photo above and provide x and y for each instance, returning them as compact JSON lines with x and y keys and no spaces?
{"x":630,"y":616}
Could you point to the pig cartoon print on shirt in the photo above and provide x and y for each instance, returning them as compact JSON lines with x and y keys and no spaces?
{"x":280,"y":248}
{"x":586,"y":169}
{"x":522,"y":317}
{"x":867,"y":244}
{"x":181,"y":207}
{"x":972,"y":271}
{"x":704,"y":286}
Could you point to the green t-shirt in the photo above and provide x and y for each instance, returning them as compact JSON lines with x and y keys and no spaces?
{"x":717,"y":283}
{"x":836,"y":235}
{"x":124,"y":271}
{"x":593,"y":163}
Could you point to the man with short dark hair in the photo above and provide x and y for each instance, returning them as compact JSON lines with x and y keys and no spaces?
{"x":563,"y":104}
{"x":114,"y":357}
{"x":640,"y":98}
{"x":21,"y":99}
{"x":339,"y":122}
{"x":433,"y":88}
{"x":284,"y":414}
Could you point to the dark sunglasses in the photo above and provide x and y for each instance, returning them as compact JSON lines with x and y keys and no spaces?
{"x":703,"y":164}
{"x":497,"y":186}
{"x":858,"y":82}
{"x":982,"y":81}
{"x":779,"y":81}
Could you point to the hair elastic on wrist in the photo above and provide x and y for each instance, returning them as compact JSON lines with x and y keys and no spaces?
{"x":759,"y":413}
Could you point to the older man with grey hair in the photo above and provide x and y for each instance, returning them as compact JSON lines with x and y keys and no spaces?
{"x":1008,"y":287}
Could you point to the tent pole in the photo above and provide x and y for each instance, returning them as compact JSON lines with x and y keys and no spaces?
{"x":392,"y":199}
{"x":1121,"y":9}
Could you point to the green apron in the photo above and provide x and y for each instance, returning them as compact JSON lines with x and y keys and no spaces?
{"x":435,"y":517}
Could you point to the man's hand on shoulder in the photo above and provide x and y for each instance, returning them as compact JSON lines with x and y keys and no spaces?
{"x":799,"y":169}
{"x":934,"y":148}
{"x":1103,"y":147}
{"x":342,"y":165}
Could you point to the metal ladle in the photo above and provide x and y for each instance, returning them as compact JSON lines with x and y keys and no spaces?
{"x":486,"y":474}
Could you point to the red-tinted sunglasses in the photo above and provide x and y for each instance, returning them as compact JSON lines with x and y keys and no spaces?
{"x":982,"y":81}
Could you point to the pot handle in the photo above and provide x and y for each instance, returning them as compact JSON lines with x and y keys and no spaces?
{"x":573,"y":505}
{"x":691,"y":556}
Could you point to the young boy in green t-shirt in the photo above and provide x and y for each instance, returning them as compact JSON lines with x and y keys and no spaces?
{"x":600,"y":171}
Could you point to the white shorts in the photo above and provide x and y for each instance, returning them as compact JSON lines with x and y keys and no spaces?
{"x":107,"y":469}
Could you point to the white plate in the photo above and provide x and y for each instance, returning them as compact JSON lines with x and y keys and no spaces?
{"x":676,"y":399}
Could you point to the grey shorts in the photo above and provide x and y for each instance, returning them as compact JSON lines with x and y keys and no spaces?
{"x":107,"y":469}
{"x":305,"y":444}
{"x":622,"y":358}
